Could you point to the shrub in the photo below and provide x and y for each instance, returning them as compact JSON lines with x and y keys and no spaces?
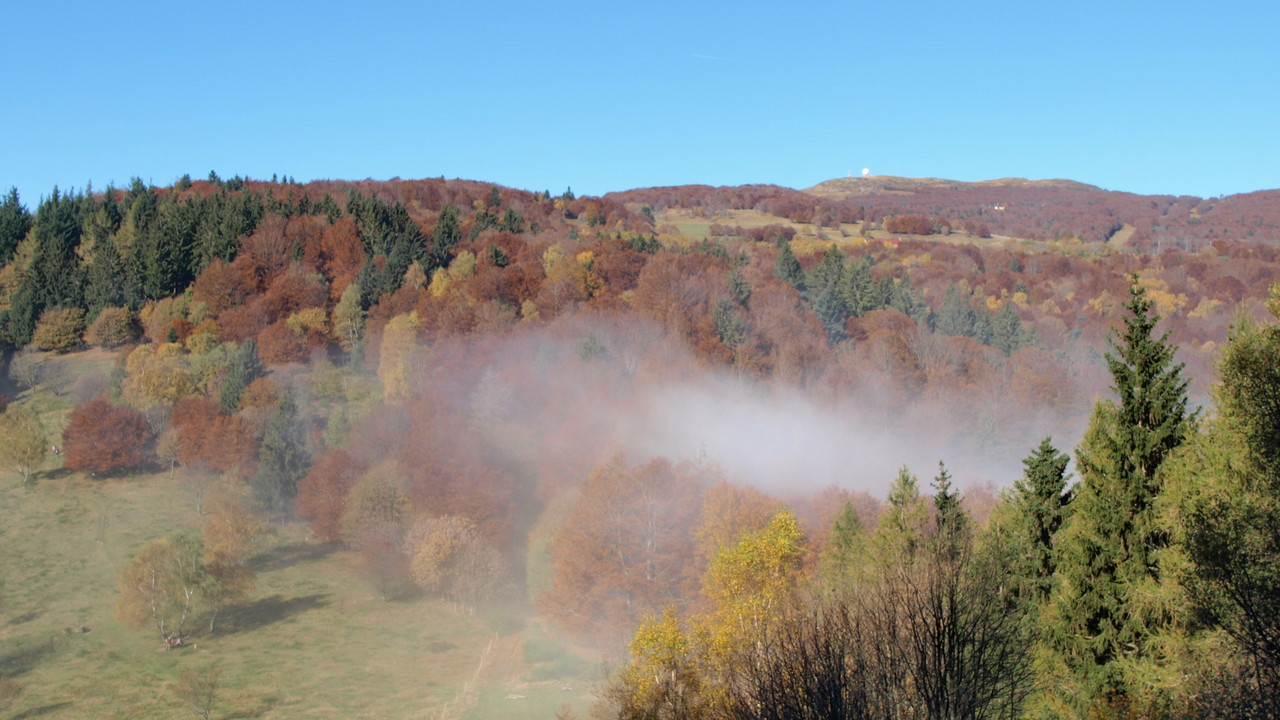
{"x":59,"y":330}
{"x":113,"y":327}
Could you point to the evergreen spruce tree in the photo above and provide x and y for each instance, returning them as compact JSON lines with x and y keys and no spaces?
{"x":905,"y":300}
{"x":787,"y":267}
{"x":1108,"y":551}
{"x":1042,"y":503}
{"x":739,"y":288}
{"x":860,"y":295}
{"x":105,"y":287}
{"x":1007,"y":333}
{"x":827,"y":295}
{"x":245,"y":368}
{"x":446,"y":233}
{"x":901,"y":528}
{"x":730,"y":325}
{"x":15,"y":222}
{"x":55,"y":269}
{"x":282,"y":462}
{"x":952,"y":533}
{"x":846,"y":535}
{"x":955,"y":317}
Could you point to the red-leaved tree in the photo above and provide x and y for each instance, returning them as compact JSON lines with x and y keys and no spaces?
{"x":103,"y":438}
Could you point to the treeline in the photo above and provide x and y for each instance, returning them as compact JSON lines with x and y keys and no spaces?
{"x":1147,"y":588}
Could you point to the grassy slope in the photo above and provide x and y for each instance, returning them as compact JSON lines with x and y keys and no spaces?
{"x":313,"y":641}
{"x":696,"y":225}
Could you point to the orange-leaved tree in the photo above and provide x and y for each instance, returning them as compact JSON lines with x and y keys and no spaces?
{"x":624,"y":549}
{"x":102,"y":437}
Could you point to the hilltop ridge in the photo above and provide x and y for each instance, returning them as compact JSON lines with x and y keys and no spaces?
{"x":894,"y":185}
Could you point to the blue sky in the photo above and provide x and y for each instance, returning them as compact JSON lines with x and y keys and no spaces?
{"x":1171,"y":98}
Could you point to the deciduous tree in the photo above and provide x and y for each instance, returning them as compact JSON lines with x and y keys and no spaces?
{"x":102,"y":437}
{"x":163,"y":585}
{"x":23,"y":443}
{"x":60,"y":330}
{"x":624,"y":548}
{"x":402,"y":359}
{"x":448,"y":555}
{"x":229,"y":534}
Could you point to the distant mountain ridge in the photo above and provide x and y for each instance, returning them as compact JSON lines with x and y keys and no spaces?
{"x":1037,"y":210}
{"x":889,"y":184}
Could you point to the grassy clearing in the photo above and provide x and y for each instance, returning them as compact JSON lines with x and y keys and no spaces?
{"x":696,"y":224}
{"x":313,"y":641}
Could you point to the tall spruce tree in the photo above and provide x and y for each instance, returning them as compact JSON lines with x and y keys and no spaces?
{"x":956,"y":316}
{"x":845,"y":543}
{"x":1042,"y":503}
{"x":1108,"y":550}
{"x":905,"y":300}
{"x":282,"y":462}
{"x":106,"y":273}
{"x":55,"y":270}
{"x":15,"y":222}
{"x":245,"y":368}
{"x":861,"y":295}
{"x":952,"y":534}
{"x":787,"y":266}
{"x":827,"y":295}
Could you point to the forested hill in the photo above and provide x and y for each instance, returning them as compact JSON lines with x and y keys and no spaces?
{"x":830,"y":292}
{"x":598,"y":407}
{"x":1012,"y":207}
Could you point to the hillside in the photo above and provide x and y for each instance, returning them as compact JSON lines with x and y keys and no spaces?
{"x":462,"y":412}
{"x":1039,"y":210}
{"x":847,"y":187}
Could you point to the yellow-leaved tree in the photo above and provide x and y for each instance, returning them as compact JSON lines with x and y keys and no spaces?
{"x":157,"y":375}
{"x":749,"y":584}
{"x":663,"y":678}
{"x":677,"y":673}
{"x":403,"y":359}
{"x":23,"y":443}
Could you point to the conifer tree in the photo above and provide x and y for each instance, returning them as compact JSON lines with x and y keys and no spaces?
{"x":787,"y":267}
{"x":952,"y":533}
{"x":1108,"y":550}
{"x":904,"y":299}
{"x":245,"y":368}
{"x":955,"y":317}
{"x":826,"y":294}
{"x":845,"y":542}
{"x":739,"y":288}
{"x":446,"y":233}
{"x":861,"y":294}
{"x":1042,"y":503}
{"x":1007,"y":331}
{"x":55,"y":269}
{"x":282,"y":462}
{"x":104,"y":287}
{"x":15,"y":222}
{"x":901,"y":527}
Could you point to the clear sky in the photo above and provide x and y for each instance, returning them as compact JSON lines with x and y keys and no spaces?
{"x":1171,"y":97}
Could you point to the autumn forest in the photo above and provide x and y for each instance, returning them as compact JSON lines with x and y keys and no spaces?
{"x":881,"y":448}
